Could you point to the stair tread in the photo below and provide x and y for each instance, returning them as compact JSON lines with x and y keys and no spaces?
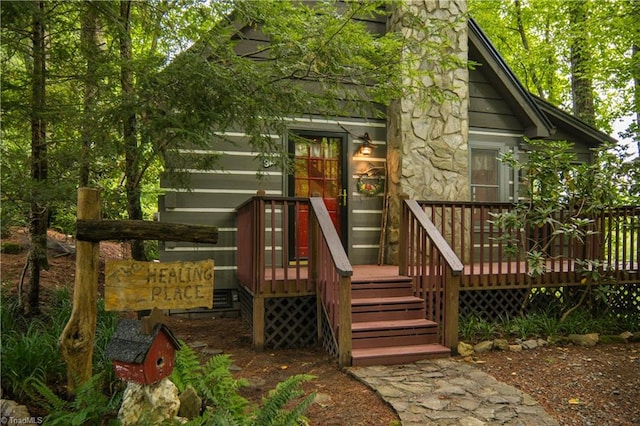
{"x":381,"y":300}
{"x":431,"y":348}
{"x":373,"y":279}
{"x":392,"y":324}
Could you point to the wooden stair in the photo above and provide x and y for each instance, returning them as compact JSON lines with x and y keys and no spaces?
{"x":389,"y":325}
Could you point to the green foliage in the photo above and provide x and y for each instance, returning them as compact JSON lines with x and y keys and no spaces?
{"x":535,"y":38}
{"x":30,"y":345}
{"x":90,"y":405}
{"x":11,"y":248}
{"x":215,"y":383}
{"x":274,"y":409}
{"x":472,"y":328}
{"x":565,"y":198}
{"x":545,"y":324}
{"x":29,"y":349}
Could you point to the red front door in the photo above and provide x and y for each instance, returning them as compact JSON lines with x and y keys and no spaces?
{"x":317,"y":173}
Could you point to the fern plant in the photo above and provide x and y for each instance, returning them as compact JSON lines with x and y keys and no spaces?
{"x":274,"y":410}
{"x":90,"y":405}
{"x":217,"y":386}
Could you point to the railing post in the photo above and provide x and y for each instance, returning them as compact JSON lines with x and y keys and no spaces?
{"x":259,"y":247}
{"x":344,"y":325}
{"x":404,"y":236}
{"x":451,"y":308}
{"x":313,"y":268}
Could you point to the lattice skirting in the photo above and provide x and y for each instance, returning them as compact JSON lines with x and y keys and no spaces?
{"x":329,"y":343}
{"x":290,"y":322}
{"x":493,"y":304}
{"x":245,"y":300}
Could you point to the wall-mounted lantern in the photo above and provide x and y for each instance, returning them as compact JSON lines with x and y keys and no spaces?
{"x":367,"y":145}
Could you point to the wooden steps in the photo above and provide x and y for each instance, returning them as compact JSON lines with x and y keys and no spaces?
{"x":389,"y":325}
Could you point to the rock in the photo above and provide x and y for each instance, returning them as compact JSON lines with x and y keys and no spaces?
{"x":152,"y":404}
{"x":530,"y":344}
{"x":322,"y":399}
{"x":584,"y":339}
{"x":626,"y":335}
{"x":465,"y":349}
{"x":501,"y":344}
{"x":485,"y":346}
{"x":11,"y":411}
{"x":211,"y":351}
{"x":515,"y":348}
{"x":190,"y":403}
{"x":542,"y":343}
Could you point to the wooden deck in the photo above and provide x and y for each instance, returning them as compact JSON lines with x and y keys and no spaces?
{"x":495,"y":275}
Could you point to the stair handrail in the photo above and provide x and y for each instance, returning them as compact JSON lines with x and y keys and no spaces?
{"x":331,"y":272}
{"x":414,"y":260}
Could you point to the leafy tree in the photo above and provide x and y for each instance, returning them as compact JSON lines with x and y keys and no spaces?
{"x":130,"y":83}
{"x":566,"y":197}
{"x":570,"y":52}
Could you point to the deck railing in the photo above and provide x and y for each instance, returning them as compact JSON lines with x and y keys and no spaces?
{"x":270,"y":259}
{"x":470,"y":229}
{"x":331,"y":272}
{"x":426,"y":256}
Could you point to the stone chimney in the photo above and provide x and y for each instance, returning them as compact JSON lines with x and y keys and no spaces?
{"x":427,"y":133}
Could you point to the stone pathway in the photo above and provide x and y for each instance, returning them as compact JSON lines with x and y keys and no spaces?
{"x":448,"y":392}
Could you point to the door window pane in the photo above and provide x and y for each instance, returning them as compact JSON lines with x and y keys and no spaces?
{"x":485,"y":175}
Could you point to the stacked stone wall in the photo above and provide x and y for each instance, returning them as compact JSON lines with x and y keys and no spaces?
{"x":427,"y":132}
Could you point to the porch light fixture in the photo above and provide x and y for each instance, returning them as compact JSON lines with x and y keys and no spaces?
{"x":367,"y":145}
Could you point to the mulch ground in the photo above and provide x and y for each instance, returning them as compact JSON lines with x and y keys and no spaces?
{"x":578,"y":386}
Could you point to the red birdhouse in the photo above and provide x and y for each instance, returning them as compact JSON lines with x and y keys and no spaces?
{"x":142,"y":358}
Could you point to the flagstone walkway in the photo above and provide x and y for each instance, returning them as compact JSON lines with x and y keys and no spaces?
{"x":448,"y":392}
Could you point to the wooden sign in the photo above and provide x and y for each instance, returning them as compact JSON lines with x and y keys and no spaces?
{"x":133,"y":286}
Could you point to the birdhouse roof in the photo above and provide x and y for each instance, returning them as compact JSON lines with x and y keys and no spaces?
{"x":129,"y":344}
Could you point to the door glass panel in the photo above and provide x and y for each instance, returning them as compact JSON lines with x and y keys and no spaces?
{"x":317,"y":174}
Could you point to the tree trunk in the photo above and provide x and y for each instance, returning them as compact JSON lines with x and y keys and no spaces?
{"x":635,"y":72}
{"x":38,"y":213}
{"x":581,"y":82}
{"x":90,"y":50}
{"x":132,"y":162}
{"x":525,"y":43}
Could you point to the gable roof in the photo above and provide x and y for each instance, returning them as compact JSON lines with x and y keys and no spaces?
{"x":572,"y":124}
{"x":541,"y":118}
{"x":537,"y":125}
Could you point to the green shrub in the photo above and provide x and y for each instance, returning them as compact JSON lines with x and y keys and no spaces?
{"x":90,"y":405}
{"x":216,"y":385}
{"x":10,"y":248}
{"x":472,"y":328}
{"x":30,"y":345}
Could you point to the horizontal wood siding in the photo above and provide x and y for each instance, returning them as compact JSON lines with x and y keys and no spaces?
{"x":212,"y":198}
{"x":488,"y":108}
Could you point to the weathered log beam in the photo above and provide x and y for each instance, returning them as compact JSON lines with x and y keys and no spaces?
{"x":101,"y":230}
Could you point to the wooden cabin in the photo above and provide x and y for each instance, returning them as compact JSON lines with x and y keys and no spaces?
{"x":352,"y":272}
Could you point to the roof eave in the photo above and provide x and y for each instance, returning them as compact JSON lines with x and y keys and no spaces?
{"x":539,"y":126}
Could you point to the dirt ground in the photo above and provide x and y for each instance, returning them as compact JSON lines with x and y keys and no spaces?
{"x":578,"y":386}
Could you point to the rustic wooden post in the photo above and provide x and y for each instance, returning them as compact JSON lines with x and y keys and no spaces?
{"x":77,"y":339}
{"x":313,"y":270}
{"x":451,"y":308}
